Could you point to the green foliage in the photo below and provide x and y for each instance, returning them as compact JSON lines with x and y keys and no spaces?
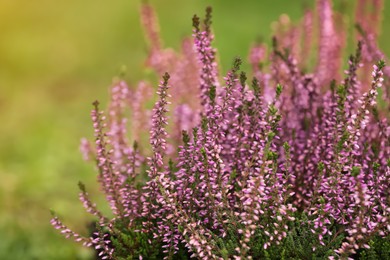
{"x":379,"y":250}
{"x":355,"y":171}
{"x":300,"y":242}
{"x":243,"y":78}
{"x":279,"y":89}
{"x":130,"y":244}
{"x":212,"y":94}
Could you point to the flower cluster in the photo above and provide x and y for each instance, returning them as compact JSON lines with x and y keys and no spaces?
{"x":294,"y":163}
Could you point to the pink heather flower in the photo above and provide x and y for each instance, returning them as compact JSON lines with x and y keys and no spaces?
{"x":241,"y":164}
{"x":86,"y":150}
{"x":206,"y":57}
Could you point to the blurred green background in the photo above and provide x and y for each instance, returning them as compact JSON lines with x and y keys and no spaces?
{"x":56,"y":57}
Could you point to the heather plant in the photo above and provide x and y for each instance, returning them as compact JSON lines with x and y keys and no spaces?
{"x":293,"y":164}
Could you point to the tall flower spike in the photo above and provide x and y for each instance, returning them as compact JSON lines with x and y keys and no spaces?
{"x":158,"y":142}
{"x":151,"y":26}
{"x":360,"y":119}
{"x":159,"y":59}
{"x":351,"y":82}
{"x":117,"y":128}
{"x":107,"y":176}
{"x":206,"y":56}
{"x":327,"y":41}
{"x":158,"y":133}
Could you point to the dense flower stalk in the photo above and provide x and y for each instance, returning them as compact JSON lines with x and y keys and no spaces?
{"x":158,"y":142}
{"x":206,"y":53}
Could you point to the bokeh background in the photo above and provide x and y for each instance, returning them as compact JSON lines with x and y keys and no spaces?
{"x":56,"y":58}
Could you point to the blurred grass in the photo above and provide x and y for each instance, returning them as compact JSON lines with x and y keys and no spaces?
{"x":56,"y":57}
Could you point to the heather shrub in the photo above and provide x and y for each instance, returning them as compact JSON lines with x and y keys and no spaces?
{"x":292,"y":164}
